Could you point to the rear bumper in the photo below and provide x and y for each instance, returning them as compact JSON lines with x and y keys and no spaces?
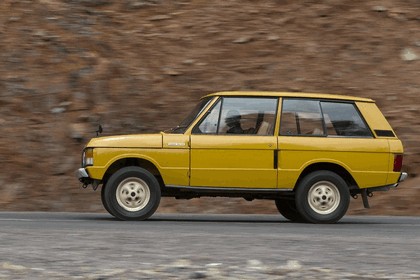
{"x":403,"y":176}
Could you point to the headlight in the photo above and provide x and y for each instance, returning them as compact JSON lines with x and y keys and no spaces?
{"x":87,"y":159}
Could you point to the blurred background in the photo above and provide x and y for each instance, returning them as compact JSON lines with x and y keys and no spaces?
{"x":140,"y":66}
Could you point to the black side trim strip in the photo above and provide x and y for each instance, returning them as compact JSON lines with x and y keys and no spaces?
{"x":227,"y":189}
{"x":276,"y":159}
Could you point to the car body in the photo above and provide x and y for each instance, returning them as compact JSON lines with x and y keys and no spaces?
{"x":308,"y":152}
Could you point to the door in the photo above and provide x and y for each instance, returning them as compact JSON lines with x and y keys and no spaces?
{"x":234,"y":146}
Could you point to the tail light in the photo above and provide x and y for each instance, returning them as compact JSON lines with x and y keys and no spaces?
{"x":398,"y":160}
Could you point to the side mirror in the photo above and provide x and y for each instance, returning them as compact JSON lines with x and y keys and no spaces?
{"x":99,"y":131}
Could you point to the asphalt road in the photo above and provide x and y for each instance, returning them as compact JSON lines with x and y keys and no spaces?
{"x":182,"y":246}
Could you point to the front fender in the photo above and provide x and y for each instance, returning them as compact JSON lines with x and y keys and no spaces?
{"x":104,"y":158}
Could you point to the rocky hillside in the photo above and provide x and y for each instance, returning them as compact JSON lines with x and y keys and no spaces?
{"x":140,"y":65}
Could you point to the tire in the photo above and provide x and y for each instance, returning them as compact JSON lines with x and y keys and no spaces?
{"x":132,"y":193}
{"x":322,"y":197}
{"x":287,"y":208}
{"x":103,"y":200}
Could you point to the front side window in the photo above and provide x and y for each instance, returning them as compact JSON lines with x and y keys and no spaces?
{"x":321,"y":118}
{"x":240,"y":115}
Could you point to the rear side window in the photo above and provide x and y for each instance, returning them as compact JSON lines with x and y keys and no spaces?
{"x":301,"y":117}
{"x":343,"y":119}
{"x":321,"y":118}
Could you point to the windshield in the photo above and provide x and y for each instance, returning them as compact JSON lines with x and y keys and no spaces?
{"x":191,"y":117}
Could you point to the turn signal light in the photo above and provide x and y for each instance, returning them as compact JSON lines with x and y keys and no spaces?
{"x":87,"y":157}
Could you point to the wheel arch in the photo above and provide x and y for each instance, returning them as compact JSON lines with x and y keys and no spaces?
{"x":333,"y":167}
{"x":133,"y":161}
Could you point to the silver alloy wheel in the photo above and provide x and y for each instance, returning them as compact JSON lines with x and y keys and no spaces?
{"x":324,"y":197}
{"x":133,"y":194}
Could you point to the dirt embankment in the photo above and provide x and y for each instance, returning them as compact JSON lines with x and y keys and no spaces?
{"x":140,"y":65}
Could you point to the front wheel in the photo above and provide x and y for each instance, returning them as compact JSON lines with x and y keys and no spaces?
{"x":322,"y":197}
{"x":104,"y":203}
{"x":132,"y":193}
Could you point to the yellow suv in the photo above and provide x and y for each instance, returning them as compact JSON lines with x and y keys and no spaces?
{"x":307,"y":152}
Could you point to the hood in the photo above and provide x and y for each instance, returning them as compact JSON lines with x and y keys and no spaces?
{"x":127,"y":141}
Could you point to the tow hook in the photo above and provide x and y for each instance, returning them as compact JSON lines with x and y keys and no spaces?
{"x":95,"y":184}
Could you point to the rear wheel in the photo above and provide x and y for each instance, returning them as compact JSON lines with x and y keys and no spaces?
{"x":322,"y":197}
{"x":287,"y":208}
{"x":132,"y":193}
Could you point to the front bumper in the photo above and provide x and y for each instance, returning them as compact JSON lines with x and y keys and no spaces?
{"x":83,"y":177}
{"x":81,"y":173}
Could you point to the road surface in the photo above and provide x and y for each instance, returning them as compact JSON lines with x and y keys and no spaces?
{"x":37,"y":245}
